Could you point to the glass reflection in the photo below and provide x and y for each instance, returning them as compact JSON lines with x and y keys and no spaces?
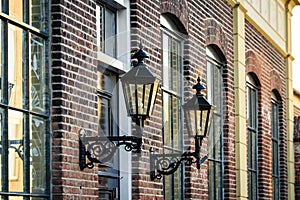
{"x":38,"y":14}
{"x":38,"y":155}
{"x":15,"y":67}
{"x":16,"y":9}
{"x":38,"y":75}
{"x":15,"y":150}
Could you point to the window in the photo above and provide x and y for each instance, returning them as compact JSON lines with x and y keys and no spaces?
{"x":275,"y":147}
{"x":215,"y":136}
{"x":108,"y":116}
{"x":252,"y":110}
{"x":111,"y":26}
{"x":106,"y":30}
{"x":24,"y":101}
{"x":172,"y":100}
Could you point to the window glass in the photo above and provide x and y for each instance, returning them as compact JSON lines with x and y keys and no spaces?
{"x":2,"y":54}
{"x":171,"y":63}
{"x":38,"y":13}
{"x":16,"y":56}
{"x":252,"y":110}
{"x":38,"y":155}
{"x":106,"y":30}
{"x":108,"y":117}
{"x":16,"y":9}
{"x":24,"y":109}
{"x":38,"y":76}
{"x":107,"y":108}
{"x":275,"y":147}
{"x":215,"y":136}
{"x":15,"y":150}
{"x":172,"y":100}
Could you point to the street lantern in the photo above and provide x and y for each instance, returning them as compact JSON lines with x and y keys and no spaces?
{"x":198,"y":115}
{"x":140,"y":87}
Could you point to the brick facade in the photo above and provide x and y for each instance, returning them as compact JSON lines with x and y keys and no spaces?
{"x":263,"y":60}
{"x":74,"y":100}
{"x":202,"y":22}
{"x":74,"y":93}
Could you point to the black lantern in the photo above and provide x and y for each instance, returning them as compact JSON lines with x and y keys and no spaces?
{"x":198,"y":115}
{"x":140,"y":88}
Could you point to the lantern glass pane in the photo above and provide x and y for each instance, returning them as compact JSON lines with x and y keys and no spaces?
{"x":142,"y":98}
{"x":153,"y":96}
{"x":203,"y":122}
{"x":129,"y":97}
{"x":192,"y":121}
{"x":139,"y":100}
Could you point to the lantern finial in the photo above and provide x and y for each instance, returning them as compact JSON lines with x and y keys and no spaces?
{"x":198,"y":87}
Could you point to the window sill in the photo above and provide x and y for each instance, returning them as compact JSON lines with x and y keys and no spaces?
{"x":111,"y":63}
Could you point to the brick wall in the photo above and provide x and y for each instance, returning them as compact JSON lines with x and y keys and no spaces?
{"x":145,"y":28}
{"x":270,"y":71}
{"x":198,"y":19}
{"x":74,"y":100}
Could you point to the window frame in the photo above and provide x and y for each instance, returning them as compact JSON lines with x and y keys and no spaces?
{"x":167,"y":90}
{"x":110,"y":170}
{"x":100,"y":25}
{"x":275,"y":125}
{"x":252,"y":128}
{"x":214,"y":60}
{"x":28,"y":113}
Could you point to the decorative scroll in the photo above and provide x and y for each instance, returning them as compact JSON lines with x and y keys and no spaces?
{"x":17,"y":145}
{"x":102,"y":149}
{"x":166,"y":164}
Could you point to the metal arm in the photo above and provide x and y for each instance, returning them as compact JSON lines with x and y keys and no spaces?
{"x":102,"y":149}
{"x":166,"y":164}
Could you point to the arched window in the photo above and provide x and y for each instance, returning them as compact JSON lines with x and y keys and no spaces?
{"x":172,"y":101}
{"x":215,"y":138}
{"x":275,"y":146}
{"x":252,"y":119}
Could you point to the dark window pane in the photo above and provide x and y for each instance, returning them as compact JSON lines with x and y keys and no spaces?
{"x":2,"y":55}
{"x":275,"y":149}
{"x":104,"y":116}
{"x":172,"y":128}
{"x":215,"y":148}
{"x":110,"y":32}
{"x":252,"y":102}
{"x":106,"y":30}
{"x":38,"y":14}
{"x":3,"y":153}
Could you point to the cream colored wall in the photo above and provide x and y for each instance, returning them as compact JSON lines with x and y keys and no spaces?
{"x":269,"y":17}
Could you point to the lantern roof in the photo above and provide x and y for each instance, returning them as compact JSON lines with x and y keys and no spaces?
{"x":140,"y":74}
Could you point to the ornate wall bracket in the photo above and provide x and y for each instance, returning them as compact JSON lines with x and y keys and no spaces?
{"x":166,"y":164}
{"x":102,"y":149}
